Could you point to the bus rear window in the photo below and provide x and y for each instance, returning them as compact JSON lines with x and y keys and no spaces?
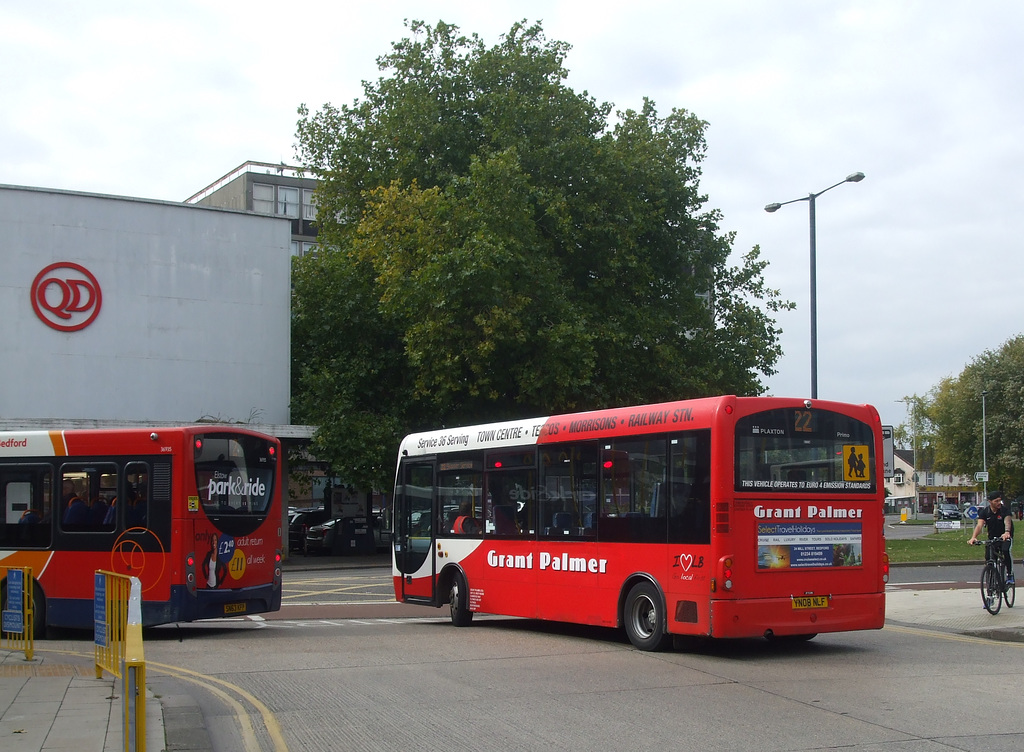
{"x":802,"y":450}
{"x":234,"y":474}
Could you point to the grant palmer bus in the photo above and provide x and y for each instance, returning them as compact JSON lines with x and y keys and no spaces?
{"x":721,"y":517}
{"x":193,"y":512}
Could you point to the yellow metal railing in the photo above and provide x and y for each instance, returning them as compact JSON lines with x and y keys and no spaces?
{"x":18,"y":618}
{"x":117,"y":606}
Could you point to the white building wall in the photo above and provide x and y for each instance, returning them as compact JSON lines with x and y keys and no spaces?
{"x":194,"y":321}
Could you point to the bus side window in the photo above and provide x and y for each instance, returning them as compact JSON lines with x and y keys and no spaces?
{"x":633,"y":479}
{"x":690,"y":488}
{"x":136,"y":511}
{"x":459,"y":495}
{"x":510,"y":502}
{"x":568,"y":496}
{"x":87,"y":492}
{"x":25,"y":499}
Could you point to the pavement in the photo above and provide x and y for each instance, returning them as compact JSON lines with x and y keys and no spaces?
{"x":54,"y":702}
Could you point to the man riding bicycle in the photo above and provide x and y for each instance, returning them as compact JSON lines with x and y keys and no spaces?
{"x":996,"y":516}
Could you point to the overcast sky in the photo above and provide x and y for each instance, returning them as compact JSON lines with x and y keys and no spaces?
{"x":919,"y":266}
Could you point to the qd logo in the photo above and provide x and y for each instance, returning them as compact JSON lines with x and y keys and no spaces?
{"x":66,"y":296}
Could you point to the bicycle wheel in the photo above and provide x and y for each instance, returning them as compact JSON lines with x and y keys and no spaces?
{"x":1010,"y":593}
{"x":991,"y":589}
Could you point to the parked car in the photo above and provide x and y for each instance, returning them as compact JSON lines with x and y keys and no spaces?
{"x":947,"y":512}
{"x":356,"y":536}
{"x":300,"y":520}
{"x":320,"y":538}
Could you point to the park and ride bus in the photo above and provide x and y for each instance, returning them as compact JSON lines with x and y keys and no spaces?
{"x":722,"y":517}
{"x":194,"y":512}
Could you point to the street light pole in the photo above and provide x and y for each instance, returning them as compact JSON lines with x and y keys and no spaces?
{"x":913,"y":443}
{"x":984,"y":449}
{"x":855,"y":177}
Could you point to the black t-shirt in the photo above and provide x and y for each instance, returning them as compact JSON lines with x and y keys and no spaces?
{"x":995,"y":521}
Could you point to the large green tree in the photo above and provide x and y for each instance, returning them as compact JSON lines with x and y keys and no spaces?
{"x":494,"y":244}
{"x":955,"y":409}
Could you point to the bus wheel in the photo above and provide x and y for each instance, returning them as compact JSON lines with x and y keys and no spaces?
{"x":644,"y":617}
{"x":38,"y":612}
{"x":458,"y":601}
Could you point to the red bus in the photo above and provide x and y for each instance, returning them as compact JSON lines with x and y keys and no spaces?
{"x":193,"y":512}
{"x":721,"y":517}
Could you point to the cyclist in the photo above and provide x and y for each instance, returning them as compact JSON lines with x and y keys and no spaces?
{"x":996,"y":516}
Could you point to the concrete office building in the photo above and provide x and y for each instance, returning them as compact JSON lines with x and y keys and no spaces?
{"x":123,"y":311}
{"x":265,"y":188}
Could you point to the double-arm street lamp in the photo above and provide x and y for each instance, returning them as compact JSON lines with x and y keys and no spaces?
{"x":855,"y":177}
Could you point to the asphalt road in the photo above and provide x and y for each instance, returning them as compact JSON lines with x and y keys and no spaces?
{"x":385,"y":683}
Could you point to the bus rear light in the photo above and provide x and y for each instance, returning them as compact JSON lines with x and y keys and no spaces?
{"x":725,"y":567}
{"x":190,"y":573}
{"x":885,"y":567}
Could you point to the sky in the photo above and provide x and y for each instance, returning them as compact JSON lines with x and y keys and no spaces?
{"x":919,"y":266}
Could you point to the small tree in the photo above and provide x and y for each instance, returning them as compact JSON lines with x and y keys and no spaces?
{"x":956,"y":409}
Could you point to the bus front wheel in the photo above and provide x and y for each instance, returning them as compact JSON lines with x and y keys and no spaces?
{"x":644,"y":617}
{"x":458,"y":601}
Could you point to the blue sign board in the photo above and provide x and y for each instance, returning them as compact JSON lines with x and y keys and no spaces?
{"x":12,"y":622}
{"x":971,"y":512}
{"x":13,"y":618}
{"x":99,"y":609}
{"x":15,"y":589}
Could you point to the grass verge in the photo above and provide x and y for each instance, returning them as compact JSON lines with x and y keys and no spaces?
{"x":947,"y":545}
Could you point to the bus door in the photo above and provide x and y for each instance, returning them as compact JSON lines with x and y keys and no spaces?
{"x":415,"y":521}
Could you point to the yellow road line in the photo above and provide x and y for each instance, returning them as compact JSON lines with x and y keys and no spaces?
{"x":205,"y":681}
{"x":952,"y":636}
{"x":269,"y":719}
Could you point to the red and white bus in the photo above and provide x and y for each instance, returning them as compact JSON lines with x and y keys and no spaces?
{"x":193,"y":512}
{"x":721,"y":517}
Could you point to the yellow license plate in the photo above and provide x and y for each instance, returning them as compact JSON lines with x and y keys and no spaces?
{"x":234,"y":608}
{"x":811,"y":601}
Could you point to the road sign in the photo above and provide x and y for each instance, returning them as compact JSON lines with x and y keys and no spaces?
{"x":99,"y":609}
{"x":981,"y":477}
{"x":888,"y":452}
{"x":971,"y":512}
{"x":14,"y":615}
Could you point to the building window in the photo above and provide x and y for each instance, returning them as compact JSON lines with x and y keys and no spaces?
{"x":263,"y":198}
{"x":898,"y":479}
{"x":308,"y":204}
{"x":288,"y":201}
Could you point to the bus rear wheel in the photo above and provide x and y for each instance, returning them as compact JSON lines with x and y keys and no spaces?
{"x":458,"y":601}
{"x":644,"y":617}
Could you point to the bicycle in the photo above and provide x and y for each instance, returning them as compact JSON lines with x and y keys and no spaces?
{"x":994,"y":587}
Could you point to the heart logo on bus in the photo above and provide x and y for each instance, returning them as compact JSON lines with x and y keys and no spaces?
{"x":685,"y":561}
